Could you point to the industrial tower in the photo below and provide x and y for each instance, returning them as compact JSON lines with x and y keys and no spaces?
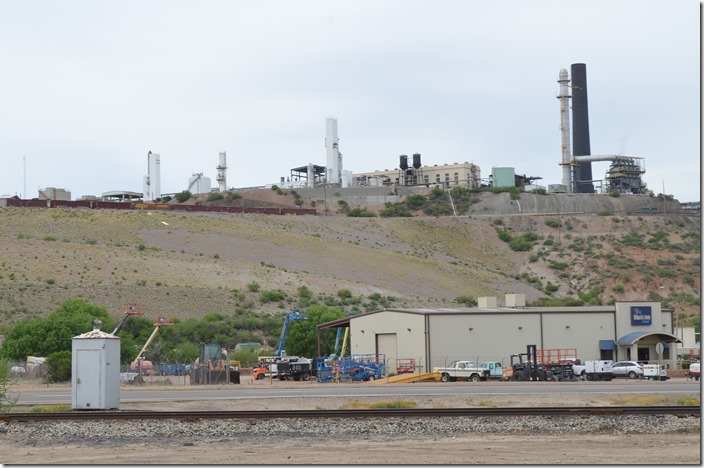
{"x":152,"y":181}
{"x":334,"y":158}
{"x":222,"y":171}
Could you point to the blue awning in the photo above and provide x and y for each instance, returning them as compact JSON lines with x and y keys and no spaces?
{"x":628,"y":340}
{"x":631,"y":338}
{"x":607,"y":345}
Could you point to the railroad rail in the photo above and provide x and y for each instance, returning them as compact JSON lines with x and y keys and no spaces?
{"x":585,"y":411}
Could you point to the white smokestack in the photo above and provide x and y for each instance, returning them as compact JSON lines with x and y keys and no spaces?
{"x":564,"y":98}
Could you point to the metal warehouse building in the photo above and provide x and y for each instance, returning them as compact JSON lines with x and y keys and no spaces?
{"x":435,"y":337}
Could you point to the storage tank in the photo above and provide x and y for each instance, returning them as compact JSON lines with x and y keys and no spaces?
{"x":403,"y":162}
{"x":346,"y":180}
{"x":95,"y":376}
{"x":503,"y":176}
{"x":198,"y":183}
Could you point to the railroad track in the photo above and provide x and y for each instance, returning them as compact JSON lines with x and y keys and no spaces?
{"x":683,"y":411}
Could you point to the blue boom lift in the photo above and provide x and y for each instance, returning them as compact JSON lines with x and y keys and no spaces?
{"x":295,"y":315}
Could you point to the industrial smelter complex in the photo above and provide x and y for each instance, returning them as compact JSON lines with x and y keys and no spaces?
{"x":623,"y":176}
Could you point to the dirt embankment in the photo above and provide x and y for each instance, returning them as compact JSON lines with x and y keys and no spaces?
{"x":192,"y":264}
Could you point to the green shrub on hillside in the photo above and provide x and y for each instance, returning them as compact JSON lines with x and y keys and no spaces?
{"x":183,"y":196}
{"x":360,"y":213}
{"x":520,"y":244}
{"x":463,"y":199}
{"x":415,"y":202}
{"x":556,"y":302}
{"x":344,"y":293}
{"x":468,"y":301}
{"x":304,"y":292}
{"x":633,"y":239}
{"x":344,"y":206}
{"x":392,"y":210}
{"x":438,"y":209}
{"x":504,"y":234}
{"x":558,"y":265}
{"x":272,"y":296}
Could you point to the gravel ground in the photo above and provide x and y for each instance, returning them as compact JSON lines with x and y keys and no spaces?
{"x":467,"y":440}
{"x":459,"y":440}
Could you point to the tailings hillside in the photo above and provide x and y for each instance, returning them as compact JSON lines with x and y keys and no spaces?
{"x":192,"y":264}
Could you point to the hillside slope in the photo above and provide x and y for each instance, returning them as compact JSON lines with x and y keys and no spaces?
{"x":192,"y":264}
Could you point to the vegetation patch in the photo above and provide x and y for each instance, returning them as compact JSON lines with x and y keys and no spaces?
{"x":638,"y":399}
{"x":50,"y":409}
{"x":394,"y":404}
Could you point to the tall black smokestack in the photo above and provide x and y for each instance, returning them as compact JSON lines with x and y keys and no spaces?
{"x":580,"y":127}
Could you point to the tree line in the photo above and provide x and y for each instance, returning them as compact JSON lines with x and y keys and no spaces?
{"x":180,"y":343}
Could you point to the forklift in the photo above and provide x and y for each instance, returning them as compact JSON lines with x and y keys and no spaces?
{"x":527,"y":367}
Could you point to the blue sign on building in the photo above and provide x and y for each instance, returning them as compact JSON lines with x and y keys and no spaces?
{"x":641,"y":315}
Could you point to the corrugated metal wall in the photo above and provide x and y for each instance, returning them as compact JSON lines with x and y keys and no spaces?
{"x":408,"y":327}
{"x":580,"y":331}
{"x":481,"y":337}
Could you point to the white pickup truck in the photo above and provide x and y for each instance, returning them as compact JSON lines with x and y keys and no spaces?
{"x":465,"y":370}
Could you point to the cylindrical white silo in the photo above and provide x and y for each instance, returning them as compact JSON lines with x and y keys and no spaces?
{"x":311,"y":176}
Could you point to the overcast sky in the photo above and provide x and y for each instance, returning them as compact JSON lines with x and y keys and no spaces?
{"x":87,"y":88}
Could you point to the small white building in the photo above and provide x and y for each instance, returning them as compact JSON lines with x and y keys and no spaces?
{"x":95,"y":376}
{"x":435,"y":337}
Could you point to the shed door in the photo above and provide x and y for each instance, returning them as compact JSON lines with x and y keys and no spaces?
{"x":386,"y":344}
{"x":88,"y":370}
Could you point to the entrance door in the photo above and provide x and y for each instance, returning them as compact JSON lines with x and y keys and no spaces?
{"x":88,"y":374}
{"x":386,"y":344}
{"x":643,"y":354}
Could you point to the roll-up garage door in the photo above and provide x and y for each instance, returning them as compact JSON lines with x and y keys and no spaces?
{"x":386,"y":345}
